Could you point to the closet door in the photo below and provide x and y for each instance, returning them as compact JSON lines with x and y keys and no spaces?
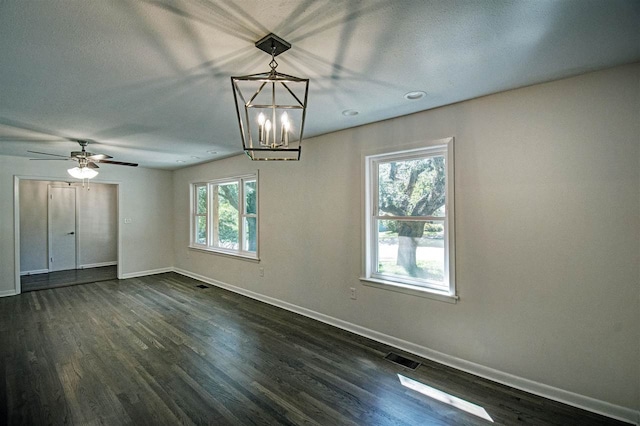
{"x":62,"y":228}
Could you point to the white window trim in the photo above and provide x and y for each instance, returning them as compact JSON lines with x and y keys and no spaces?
{"x":240,"y":180}
{"x":372,"y":279}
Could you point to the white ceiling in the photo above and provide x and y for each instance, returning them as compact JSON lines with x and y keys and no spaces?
{"x":149,"y":80}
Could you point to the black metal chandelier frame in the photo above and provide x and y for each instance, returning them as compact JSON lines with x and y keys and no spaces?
{"x":267,"y":145}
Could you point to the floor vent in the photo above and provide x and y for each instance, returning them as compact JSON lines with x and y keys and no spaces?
{"x":405,"y":362}
{"x":202,"y":286}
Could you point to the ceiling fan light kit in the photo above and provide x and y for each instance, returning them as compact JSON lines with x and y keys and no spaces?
{"x":271,"y":108}
{"x":82,"y":173}
{"x":86,"y":161}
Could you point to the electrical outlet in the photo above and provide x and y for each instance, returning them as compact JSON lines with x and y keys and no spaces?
{"x":127,"y":220}
{"x":261,"y":270}
{"x":352,"y":293}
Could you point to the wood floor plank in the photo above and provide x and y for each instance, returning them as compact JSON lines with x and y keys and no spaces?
{"x":67,"y":278}
{"x":158,"y":350}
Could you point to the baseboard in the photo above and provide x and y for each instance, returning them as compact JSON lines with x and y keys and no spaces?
{"x":540,"y":389}
{"x":34,"y":272}
{"x":145,"y":273}
{"x":97,"y":265}
{"x":6,"y":293}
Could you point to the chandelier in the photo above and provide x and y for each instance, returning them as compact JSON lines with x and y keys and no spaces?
{"x":271,"y":108}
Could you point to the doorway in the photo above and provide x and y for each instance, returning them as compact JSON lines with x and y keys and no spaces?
{"x":66,"y":234}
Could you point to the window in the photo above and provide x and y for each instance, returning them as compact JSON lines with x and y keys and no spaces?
{"x":224,"y":216}
{"x":409,"y":221}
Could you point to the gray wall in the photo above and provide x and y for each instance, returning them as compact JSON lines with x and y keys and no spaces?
{"x":97,"y":224}
{"x":548,"y":237}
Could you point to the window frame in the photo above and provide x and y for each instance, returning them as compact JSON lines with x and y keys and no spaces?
{"x":370,"y":276}
{"x":212,"y":216}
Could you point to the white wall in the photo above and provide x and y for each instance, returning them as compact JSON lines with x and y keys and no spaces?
{"x":548,"y":236}
{"x":97,"y":224}
{"x":145,"y":198}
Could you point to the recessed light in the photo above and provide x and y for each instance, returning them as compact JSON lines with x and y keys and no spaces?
{"x":414,"y":96}
{"x":350,"y":112}
{"x":212,"y":152}
{"x":195,"y":158}
{"x":180,"y":161}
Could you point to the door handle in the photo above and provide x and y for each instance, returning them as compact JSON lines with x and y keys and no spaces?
{"x":71,"y":233}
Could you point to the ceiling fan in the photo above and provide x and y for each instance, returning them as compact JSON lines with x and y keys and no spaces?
{"x":85,"y":159}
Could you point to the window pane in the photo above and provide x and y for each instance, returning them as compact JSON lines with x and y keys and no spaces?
{"x":201,"y":229}
{"x":227,"y":209}
{"x":250,"y":197}
{"x":201,"y":194}
{"x":412,"y":250}
{"x":412,"y":187}
{"x":250,"y":234}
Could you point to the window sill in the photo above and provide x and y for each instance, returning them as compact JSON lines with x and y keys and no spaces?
{"x":409,"y":289}
{"x":227,"y":253}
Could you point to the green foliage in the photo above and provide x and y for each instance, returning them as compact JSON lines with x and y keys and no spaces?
{"x":202,"y":199}
{"x":228,"y":215}
{"x":250,"y":197}
{"x":229,"y":193}
{"x":201,"y":236}
{"x":433,"y":227}
{"x":412,"y":187}
{"x":434,"y":230}
{"x":250,"y":206}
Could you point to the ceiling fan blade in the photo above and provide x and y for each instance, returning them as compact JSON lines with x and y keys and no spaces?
{"x":92,"y":165}
{"x":120,"y":163}
{"x":46,"y":153}
{"x":50,"y":159}
{"x":99,"y":157}
{"x":22,"y":139}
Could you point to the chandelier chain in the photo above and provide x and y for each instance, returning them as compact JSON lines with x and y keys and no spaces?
{"x":273,"y":64}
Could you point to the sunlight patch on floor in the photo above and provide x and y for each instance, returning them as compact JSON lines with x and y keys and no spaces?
{"x":441,"y":396}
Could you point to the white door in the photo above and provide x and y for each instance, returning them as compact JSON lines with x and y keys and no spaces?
{"x":62,"y":228}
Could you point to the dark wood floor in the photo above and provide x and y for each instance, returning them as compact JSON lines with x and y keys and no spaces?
{"x":158,"y":350}
{"x":66,"y":278}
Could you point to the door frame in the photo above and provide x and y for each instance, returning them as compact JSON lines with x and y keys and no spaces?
{"x":16,"y":220}
{"x":76,"y":230}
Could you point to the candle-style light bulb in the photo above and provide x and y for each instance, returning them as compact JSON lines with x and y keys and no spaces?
{"x":261,"y":127}
{"x":284,"y":129}
{"x":267,"y":127}
{"x":285,"y":133}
